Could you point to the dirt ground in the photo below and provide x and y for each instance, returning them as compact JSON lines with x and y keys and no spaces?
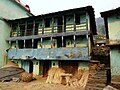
{"x":34,"y":85}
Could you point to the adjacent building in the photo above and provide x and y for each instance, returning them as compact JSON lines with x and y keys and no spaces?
{"x":112,"y":25}
{"x":9,"y":9}
{"x":60,"y":39}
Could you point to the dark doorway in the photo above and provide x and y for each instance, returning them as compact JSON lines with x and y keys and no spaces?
{"x":31,"y":67}
{"x":28,"y":44}
{"x":69,"y":66}
{"x":46,"y":67}
{"x":59,"y":24}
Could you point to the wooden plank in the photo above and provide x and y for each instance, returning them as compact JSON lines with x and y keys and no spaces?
{"x":49,"y":35}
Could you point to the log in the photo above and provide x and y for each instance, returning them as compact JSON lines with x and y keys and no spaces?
{"x":84,"y":79}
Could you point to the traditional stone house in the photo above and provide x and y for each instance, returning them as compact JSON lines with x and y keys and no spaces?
{"x":60,"y":39}
{"x":112,"y":26}
{"x":9,"y":9}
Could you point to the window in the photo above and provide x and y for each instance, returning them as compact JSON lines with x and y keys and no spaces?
{"x":81,"y":41}
{"x":47,"y":23}
{"x":77,"y":19}
{"x":29,"y":28}
{"x":36,"y":63}
{"x":21,"y":44}
{"x":53,"y":64}
{"x":28,"y":44}
{"x":14,"y":30}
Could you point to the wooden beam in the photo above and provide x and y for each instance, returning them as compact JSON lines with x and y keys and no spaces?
{"x":49,"y":35}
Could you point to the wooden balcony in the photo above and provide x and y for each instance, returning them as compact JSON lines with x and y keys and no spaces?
{"x":50,"y":54}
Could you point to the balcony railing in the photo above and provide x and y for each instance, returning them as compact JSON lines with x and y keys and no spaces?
{"x":52,"y":29}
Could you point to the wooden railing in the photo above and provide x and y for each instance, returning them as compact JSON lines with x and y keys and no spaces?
{"x":53,"y":29}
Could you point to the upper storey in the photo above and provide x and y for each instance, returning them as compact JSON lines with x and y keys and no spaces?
{"x":112,"y":25}
{"x":59,"y":23}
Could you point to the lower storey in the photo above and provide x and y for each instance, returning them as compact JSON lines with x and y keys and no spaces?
{"x":38,"y":67}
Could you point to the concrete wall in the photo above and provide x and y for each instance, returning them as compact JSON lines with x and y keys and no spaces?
{"x":115,"y":61}
{"x":114,"y":34}
{"x":8,"y":10}
{"x":4,"y":34}
{"x":114,"y":28}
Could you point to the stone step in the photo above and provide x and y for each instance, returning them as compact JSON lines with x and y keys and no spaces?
{"x":96,"y":85}
{"x":93,"y":88}
{"x":101,"y":72}
{"x":98,"y":77}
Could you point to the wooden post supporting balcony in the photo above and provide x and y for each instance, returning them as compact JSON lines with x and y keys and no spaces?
{"x":32,"y":43}
{"x":74,"y":38}
{"x":34,"y":27}
{"x":25,"y":29}
{"x":24,"y":44}
{"x":74,"y":23}
{"x":52,"y":25}
{"x":16,"y":43}
{"x":9,"y":43}
{"x":41,"y":40}
{"x":51,"y":41}
{"x":43,"y":25}
{"x":63,"y":26}
{"x":62,"y":41}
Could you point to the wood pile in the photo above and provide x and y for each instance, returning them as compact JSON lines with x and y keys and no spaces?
{"x":101,"y":50}
{"x":81,"y":81}
{"x":97,"y":67}
{"x":54,"y":75}
{"x":26,"y":77}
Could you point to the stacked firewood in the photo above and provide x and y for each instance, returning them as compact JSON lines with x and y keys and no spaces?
{"x":97,"y":67}
{"x":81,"y":81}
{"x":54,"y":75}
{"x":101,"y":50}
